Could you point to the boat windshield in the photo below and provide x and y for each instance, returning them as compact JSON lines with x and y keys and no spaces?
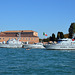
{"x":61,"y":41}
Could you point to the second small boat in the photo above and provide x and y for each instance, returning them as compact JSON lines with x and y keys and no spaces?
{"x":34,"y":46}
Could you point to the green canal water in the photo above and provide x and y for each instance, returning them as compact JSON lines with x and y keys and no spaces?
{"x":36,"y":62}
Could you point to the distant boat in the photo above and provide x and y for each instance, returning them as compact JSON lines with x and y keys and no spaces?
{"x":13,"y":43}
{"x":62,"y":44}
{"x":34,"y":46}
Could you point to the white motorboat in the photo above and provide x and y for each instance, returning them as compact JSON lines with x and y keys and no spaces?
{"x":62,"y":44}
{"x":34,"y":46}
{"x":13,"y":43}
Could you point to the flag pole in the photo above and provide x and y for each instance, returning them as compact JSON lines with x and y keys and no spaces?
{"x":44,"y":34}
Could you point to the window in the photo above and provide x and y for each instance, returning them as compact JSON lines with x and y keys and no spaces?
{"x":26,"y":38}
{"x":23,"y":38}
{"x":31,"y":38}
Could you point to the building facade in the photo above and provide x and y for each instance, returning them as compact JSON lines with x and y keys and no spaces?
{"x":24,"y":35}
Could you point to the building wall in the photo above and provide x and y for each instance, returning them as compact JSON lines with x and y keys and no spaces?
{"x":30,"y":36}
{"x":23,"y":39}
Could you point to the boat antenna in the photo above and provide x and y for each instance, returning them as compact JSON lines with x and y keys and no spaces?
{"x":19,"y":35}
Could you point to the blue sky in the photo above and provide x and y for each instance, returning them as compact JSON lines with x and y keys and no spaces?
{"x":48,"y":16}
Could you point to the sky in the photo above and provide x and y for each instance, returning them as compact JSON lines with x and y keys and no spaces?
{"x":49,"y":16}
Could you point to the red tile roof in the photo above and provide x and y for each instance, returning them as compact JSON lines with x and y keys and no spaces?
{"x":19,"y":31}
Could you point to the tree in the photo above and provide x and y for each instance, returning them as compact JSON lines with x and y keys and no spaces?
{"x":40,"y":40}
{"x":53,"y":37}
{"x":46,"y":40}
{"x":50,"y":38}
{"x":71,"y":30}
{"x":60,"y":35}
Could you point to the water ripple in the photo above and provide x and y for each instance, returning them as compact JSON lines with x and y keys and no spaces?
{"x":36,"y":62}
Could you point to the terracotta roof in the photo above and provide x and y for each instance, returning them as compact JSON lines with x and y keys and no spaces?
{"x":18,"y":31}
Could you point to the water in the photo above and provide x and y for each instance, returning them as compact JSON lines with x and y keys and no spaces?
{"x":36,"y":62}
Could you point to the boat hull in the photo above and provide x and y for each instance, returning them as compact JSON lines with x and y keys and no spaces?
{"x":59,"y":47}
{"x":10,"y":45}
{"x":33,"y":46}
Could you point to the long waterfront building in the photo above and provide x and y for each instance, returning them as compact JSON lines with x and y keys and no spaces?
{"x":25,"y":35}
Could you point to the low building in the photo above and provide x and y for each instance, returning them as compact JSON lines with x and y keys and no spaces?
{"x":25,"y":35}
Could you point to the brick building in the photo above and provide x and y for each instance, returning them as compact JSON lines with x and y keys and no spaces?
{"x":26,"y":35}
